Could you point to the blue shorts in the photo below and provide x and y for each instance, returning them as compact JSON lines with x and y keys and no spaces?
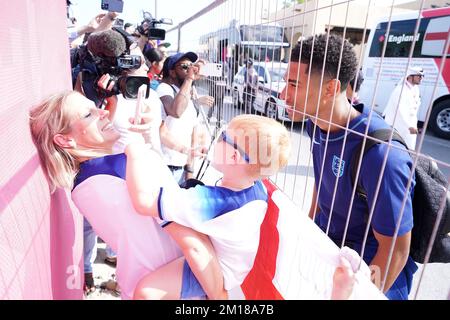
{"x":190,"y":287}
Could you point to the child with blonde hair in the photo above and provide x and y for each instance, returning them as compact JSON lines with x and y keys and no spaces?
{"x":230,"y":213}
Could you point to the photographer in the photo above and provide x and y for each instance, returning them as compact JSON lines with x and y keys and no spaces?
{"x":176,"y":92}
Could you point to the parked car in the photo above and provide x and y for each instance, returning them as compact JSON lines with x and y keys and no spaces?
{"x":270,"y":84}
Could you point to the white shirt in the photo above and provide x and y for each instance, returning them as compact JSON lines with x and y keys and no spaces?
{"x":231,"y":219}
{"x":102,"y":197}
{"x":181,"y":128}
{"x":408,"y":105}
{"x":126,"y":109}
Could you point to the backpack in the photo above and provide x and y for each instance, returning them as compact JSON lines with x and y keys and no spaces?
{"x":429,"y":193}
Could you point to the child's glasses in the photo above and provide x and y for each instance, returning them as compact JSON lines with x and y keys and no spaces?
{"x":224,"y":137}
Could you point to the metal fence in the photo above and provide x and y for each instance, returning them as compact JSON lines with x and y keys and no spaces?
{"x":231,"y":32}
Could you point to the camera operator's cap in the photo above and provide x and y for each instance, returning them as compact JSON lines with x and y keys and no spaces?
{"x":173,"y":60}
{"x":415,"y":71}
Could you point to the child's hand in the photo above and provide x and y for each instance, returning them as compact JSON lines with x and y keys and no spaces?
{"x":347,"y":273}
{"x":358,"y":266}
{"x":343,"y":280}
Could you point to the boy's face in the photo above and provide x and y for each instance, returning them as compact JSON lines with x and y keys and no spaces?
{"x":295,"y":93}
{"x":227,"y":153}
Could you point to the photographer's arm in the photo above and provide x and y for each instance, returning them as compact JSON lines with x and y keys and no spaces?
{"x":101,"y":22}
{"x":176,"y":106}
{"x":111,"y":102}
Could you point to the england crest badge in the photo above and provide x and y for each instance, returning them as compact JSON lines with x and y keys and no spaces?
{"x":338,"y":166}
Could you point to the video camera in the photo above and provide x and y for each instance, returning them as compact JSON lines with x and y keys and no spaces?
{"x":148,"y":27}
{"x":94,"y":65}
{"x":127,"y":85}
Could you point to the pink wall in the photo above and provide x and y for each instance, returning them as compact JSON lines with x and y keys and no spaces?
{"x":40,"y":236}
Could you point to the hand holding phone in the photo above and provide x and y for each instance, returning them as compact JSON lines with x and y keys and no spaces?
{"x":140,"y":100}
{"x":211,"y":70}
{"x":112,"y":5}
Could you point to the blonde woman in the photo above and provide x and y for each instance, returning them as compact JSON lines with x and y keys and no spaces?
{"x":75,"y":141}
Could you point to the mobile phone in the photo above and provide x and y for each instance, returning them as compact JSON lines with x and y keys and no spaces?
{"x":112,"y":5}
{"x":211,"y":70}
{"x":140,"y":99}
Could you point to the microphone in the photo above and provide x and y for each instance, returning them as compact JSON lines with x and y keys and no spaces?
{"x":108,"y":43}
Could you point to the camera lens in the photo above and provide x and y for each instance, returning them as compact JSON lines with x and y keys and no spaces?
{"x":129,"y":86}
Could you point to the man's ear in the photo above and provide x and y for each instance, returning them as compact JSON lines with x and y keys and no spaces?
{"x":333,"y":88}
{"x":64,"y":142}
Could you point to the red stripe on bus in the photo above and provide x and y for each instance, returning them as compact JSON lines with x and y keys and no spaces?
{"x":436,"y":36}
{"x":445,"y":72}
{"x":436,"y":12}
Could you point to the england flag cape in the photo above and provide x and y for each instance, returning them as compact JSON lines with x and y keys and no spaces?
{"x":295,"y":258}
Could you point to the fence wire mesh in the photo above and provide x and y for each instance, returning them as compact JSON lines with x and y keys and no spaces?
{"x":387,"y":45}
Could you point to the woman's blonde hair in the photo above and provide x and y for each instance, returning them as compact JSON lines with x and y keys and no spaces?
{"x":46,"y":120}
{"x":265,"y":141}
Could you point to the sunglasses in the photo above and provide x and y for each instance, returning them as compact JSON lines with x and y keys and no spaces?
{"x":224,"y":137}
{"x":185,"y":66}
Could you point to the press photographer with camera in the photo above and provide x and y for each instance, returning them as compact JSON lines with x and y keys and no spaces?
{"x":147,"y":33}
{"x":178,"y":95}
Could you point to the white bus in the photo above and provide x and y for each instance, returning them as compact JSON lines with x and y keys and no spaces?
{"x":231,"y":46}
{"x":428,"y":51}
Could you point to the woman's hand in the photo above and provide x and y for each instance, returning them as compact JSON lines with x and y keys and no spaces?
{"x":144,"y":126}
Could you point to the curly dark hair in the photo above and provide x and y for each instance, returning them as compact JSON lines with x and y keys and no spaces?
{"x":349,"y":62}
{"x":359,"y":81}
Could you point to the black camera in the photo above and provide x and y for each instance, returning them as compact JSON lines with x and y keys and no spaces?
{"x":148,"y":27}
{"x":127,"y":85}
{"x":92,"y":67}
